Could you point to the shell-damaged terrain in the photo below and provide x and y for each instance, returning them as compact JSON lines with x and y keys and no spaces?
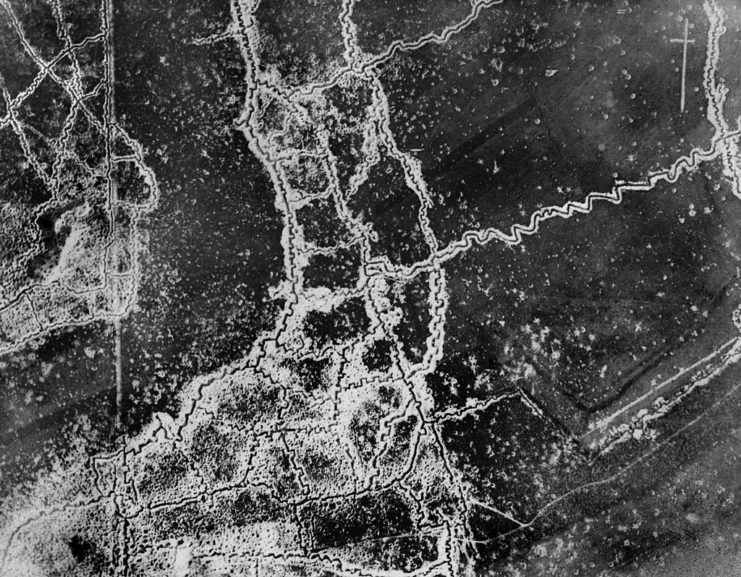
{"x":370,"y":288}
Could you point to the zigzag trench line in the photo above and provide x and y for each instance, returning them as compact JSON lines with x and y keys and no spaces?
{"x":359,"y":67}
{"x":517,"y":233}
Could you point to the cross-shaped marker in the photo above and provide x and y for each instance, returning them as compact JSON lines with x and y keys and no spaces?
{"x":684,"y":41}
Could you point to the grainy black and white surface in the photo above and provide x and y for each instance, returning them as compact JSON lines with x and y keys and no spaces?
{"x":370,"y":288}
